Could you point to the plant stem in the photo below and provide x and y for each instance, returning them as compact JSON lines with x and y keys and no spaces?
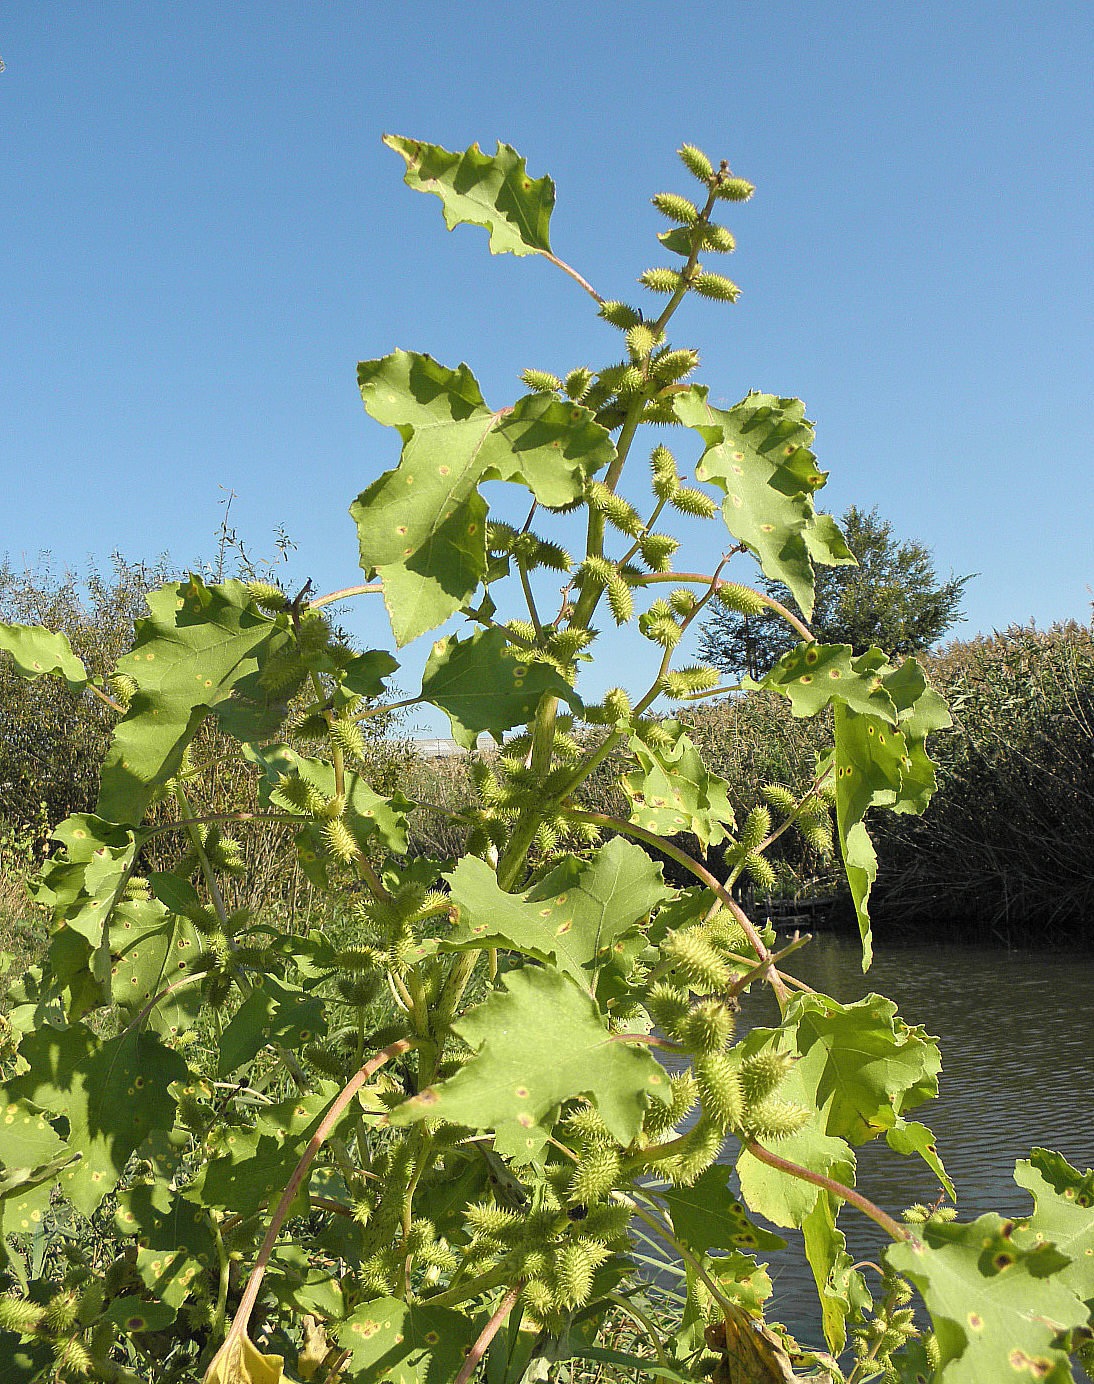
{"x":288,"y":1196}
{"x":644,"y":1321}
{"x":164,"y":994}
{"x":203,"y":859}
{"x":456,"y":1293}
{"x":567,"y":269}
{"x":487,"y":1334}
{"x":791,"y":619}
{"x":344,"y":594}
{"x":511,"y":865}
{"x":771,"y":974}
{"x":665,"y":1231}
{"x":530,"y":601}
{"x":107,"y":701}
{"x":867,"y":1207}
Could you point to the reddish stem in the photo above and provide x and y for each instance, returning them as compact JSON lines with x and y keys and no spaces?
{"x":867,"y":1207}
{"x":770,"y":971}
{"x":288,"y":1196}
{"x":487,"y":1334}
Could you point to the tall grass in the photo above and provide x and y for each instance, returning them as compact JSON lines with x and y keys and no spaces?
{"x":1005,"y":848}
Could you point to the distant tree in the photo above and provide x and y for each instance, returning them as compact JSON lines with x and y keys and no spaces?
{"x":893,"y":599}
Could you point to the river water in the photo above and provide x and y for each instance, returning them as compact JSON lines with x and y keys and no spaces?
{"x":1016,"y":1031}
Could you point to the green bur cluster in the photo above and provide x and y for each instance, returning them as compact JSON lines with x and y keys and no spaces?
{"x":427,"y":1131}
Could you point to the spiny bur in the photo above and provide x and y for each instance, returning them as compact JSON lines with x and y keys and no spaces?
{"x":657,"y":549}
{"x":691,"y":953}
{"x":573,"y":1275}
{"x":718,"y":238}
{"x":760,"y":870}
{"x":761,"y":1073}
{"x":595,"y":1175}
{"x":676,"y":208}
{"x":661,"y":280}
{"x":577,"y":382}
{"x":674,"y":365}
{"x":640,"y":341}
{"x":757,"y":826}
{"x":20,"y":1314}
{"x":620,"y":315}
{"x":717,"y":1077}
{"x":345,"y":735}
{"x":267,"y":596}
{"x":72,"y":1357}
{"x":772,"y":1118}
{"x":716,"y":287}
{"x":60,"y":1312}
{"x":696,"y":162}
{"x":732,"y":189}
{"x":701,"y":1146}
{"x":688,"y":500}
{"x":541,"y":381}
{"x":340,"y":841}
{"x":708,"y":1028}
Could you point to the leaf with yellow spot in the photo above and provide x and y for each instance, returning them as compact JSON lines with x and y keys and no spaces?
{"x":422,"y":525}
{"x":572,"y":916}
{"x":150,"y":948}
{"x":39,"y":652}
{"x":32,"y":1155}
{"x":161,"y":1218}
{"x":813,"y":675}
{"x":367,"y":814}
{"x":996,"y":1299}
{"x":200,"y":650}
{"x":394,"y":1341}
{"x":484,"y":683}
{"x":537,"y":1043}
{"x":112,"y":1093}
{"x":1064,"y":1214}
{"x":759,"y":453}
{"x":673,"y":791}
{"x":248,"y":1167}
{"x":274,"y":1012}
{"x":706,"y":1215}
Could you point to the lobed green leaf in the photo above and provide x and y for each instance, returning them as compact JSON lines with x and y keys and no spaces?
{"x":493,"y":191}
{"x":39,"y":652}
{"x":759,"y":453}
{"x":540,"y":1042}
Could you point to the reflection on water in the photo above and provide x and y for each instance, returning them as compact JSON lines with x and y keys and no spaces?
{"x":1016,"y":1031}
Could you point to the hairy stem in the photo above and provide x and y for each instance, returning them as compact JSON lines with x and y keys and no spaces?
{"x":344,"y":595}
{"x":788,"y":615}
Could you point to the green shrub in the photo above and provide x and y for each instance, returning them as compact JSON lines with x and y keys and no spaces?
{"x":52,"y":740}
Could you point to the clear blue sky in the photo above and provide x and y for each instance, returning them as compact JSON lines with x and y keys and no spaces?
{"x":201,"y":234}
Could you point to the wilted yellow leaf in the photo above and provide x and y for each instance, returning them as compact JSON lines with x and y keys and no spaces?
{"x":239,"y":1361}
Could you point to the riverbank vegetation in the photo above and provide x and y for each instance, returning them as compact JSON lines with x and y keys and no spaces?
{"x":1001,"y":852}
{"x":424,"y":1132}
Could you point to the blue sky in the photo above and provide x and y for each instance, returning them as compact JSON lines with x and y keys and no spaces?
{"x":201,"y":234}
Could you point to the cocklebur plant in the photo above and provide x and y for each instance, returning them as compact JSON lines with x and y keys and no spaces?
{"x":427,"y":1136}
